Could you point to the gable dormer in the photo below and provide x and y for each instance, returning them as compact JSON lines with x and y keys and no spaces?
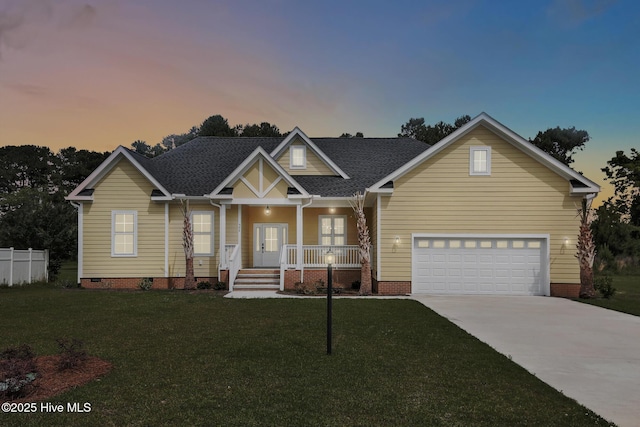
{"x":298,"y":155}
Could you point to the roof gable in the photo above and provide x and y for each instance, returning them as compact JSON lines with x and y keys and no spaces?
{"x":83,"y":193}
{"x":586,"y":186}
{"x":297,"y":133}
{"x":261,"y":157}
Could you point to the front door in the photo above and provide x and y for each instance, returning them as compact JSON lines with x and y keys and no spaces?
{"x":267,"y":243}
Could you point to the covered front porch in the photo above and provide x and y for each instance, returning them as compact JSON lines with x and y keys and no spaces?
{"x":289,"y":241}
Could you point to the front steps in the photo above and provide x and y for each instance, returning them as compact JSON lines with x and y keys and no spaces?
{"x":254,"y":279}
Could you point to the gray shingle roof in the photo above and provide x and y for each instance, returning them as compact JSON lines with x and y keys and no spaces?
{"x":199,"y":166}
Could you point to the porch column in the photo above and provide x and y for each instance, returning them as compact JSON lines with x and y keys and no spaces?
{"x":223,"y":237}
{"x":299,"y":226}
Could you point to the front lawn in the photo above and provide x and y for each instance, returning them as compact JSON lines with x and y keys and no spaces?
{"x":627,"y":297}
{"x":199,"y":359}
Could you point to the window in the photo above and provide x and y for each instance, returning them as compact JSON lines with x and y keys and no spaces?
{"x":480,"y":161}
{"x":333,"y":230}
{"x":202,"y":224}
{"x":298,"y":154}
{"x":124,"y":228}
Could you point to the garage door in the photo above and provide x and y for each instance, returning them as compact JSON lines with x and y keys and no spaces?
{"x":479,"y":265}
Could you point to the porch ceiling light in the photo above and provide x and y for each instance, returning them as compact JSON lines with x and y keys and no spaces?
{"x":267,"y":211}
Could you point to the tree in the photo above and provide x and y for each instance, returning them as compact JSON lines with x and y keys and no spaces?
{"x":586,"y":250}
{"x":416,"y":129}
{"x":74,"y":166}
{"x":187,"y":244}
{"x":216,"y":126}
{"x":624,"y":173}
{"x":561,"y":143}
{"x":364,"y":243}
{"x":348,"y":135}
{"x":26,"y":166}
{"x":265,"y":129}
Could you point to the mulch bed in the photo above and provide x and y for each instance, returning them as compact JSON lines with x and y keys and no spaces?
{"x":51,"y":381}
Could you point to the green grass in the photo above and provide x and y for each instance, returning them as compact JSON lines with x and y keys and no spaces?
{"x":627,"y":297}
{"x":199,"y":359}
{"x":68,"y":272}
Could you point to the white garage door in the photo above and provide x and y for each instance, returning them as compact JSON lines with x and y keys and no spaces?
{"x":478,"y":265}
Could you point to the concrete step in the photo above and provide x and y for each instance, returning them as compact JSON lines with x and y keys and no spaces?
{"x":256,"y":287}
{"x":257,"y":279}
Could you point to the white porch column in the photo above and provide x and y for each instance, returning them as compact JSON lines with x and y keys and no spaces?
{"x":299,"y":226}
{"x":166,"y":239}
{"x":223,"y":237}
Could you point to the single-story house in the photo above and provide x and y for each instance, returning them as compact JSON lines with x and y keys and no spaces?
{"x":483,"y":211}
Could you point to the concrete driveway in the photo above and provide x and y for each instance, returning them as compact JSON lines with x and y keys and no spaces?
{"x":589,"y":353}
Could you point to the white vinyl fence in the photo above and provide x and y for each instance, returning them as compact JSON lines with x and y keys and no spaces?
{"x":23,"y":266}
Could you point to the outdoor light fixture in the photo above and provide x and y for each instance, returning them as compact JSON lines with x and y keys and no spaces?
{"x":566,"y":241}
{"x":267,"y":211}
{"x":396,"y":240}
{"x":332,"y":210}
{"x":329,"y":258}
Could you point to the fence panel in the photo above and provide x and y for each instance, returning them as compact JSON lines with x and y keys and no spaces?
{"x":23,"y":266}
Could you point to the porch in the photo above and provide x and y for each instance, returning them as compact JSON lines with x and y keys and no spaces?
{"x":295,"y":264}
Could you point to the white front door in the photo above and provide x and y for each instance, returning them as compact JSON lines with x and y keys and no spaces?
{"x":267,"y":244}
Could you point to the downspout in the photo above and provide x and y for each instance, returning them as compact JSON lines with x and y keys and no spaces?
{"x":78,"y":207}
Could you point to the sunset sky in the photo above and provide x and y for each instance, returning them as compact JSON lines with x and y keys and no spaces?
{"x":96,"y":74}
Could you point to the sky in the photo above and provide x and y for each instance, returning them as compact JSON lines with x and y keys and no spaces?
{"x":96,"y":74}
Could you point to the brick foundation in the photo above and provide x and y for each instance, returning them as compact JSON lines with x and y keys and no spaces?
{"x":565,"y":290}
{"x":392,"y":288}
{"x":132,"y":282}
{"x":341,"y":277}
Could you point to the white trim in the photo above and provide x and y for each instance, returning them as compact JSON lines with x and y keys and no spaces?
{"x":297,"y":132}
{"x":211,"y":233}
{"x":505,"y":133}
{"x":546,"y":238}
{"x":223,"y":236}
{"x":378,"y":238}
{"x":472,"y":163}
{"x":109,"y":164}
{"x":333,"y":234}
{"x":114,"y":213}
{"x":237,"y":174}
{"x":293,"y":147}
{"x":80,"y":240}
{"x":166,"y":239}
{"x":264,"y":202}
{"x":299,"y":236}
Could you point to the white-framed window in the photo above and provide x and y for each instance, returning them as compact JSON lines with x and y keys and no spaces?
{"x":333,"y":230}
{"x":480,"y":161}
{"x":202,"y":225}
{"x":298,"y":157}
{"x":124,"y":233}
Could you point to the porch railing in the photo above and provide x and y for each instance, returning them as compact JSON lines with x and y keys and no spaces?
{"x":314,"y":256}
{"x":233,"y":263}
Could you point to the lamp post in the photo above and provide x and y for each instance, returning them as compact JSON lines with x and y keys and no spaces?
{"x":329,"y":258}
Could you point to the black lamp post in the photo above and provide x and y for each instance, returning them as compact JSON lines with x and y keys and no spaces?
{"x":329,"y":257}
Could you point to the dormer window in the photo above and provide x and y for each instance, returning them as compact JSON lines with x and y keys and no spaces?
{"x":480,"y":161}
{"x":298,"y":157}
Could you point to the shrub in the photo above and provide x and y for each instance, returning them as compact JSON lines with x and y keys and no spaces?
{"x":355,"y":285}
{"x":17,"y":371}
{"x":72,"y":353}
{"x":305,"y":288}
{"x":203,"y":285}
{"x":145,"y":284}
{"x":604,"y":285}
{"x":219,"y":286}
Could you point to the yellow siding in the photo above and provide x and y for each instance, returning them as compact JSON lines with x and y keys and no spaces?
{"x":123,"y":188}
{"x":260,"y":183}
{"x":315,"y":165}
{"x":520,"y":197}
{"x":311,"y":233}
{"x":203,"y":266}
